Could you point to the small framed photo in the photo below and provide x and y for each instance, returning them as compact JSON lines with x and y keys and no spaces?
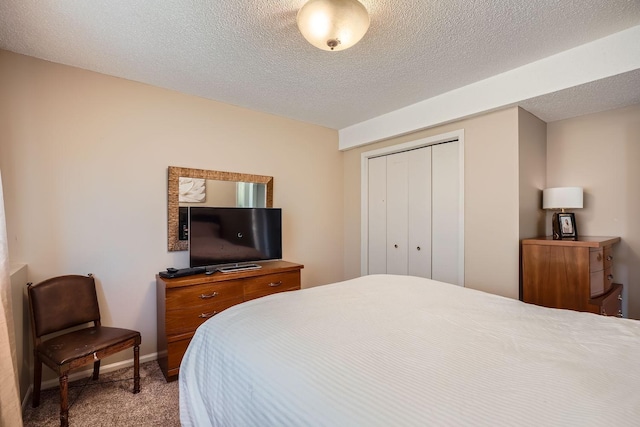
{"x":567,"y":226}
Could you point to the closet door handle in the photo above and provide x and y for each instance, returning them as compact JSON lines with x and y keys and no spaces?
{"x":418,"y":248}
{"x":395,"y":246}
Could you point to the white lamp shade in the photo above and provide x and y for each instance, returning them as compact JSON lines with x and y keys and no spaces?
{"x":562,"y":198}
{"x":333,"y":24}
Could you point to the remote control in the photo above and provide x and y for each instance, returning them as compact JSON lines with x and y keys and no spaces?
{"x":172,"y":273}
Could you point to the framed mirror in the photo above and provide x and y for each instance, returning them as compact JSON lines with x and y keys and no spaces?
{"x":201,"y":187}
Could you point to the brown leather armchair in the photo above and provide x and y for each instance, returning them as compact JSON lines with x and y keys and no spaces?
{"x":65,"y":302}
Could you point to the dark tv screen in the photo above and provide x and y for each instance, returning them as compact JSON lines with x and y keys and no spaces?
{"x":219,"y":236}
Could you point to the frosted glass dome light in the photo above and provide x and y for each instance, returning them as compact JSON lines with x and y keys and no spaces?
{"x":333,"y":24}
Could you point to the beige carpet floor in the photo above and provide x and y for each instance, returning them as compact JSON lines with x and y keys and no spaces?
{"x":110,"y":401}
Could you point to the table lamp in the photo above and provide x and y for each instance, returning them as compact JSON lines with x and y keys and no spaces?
{"x":563,"y":223}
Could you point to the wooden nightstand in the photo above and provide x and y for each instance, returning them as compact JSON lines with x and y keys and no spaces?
{"x":576,"y":275}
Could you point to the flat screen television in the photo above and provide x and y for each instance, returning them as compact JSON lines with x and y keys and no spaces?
{"x":222,"y":236}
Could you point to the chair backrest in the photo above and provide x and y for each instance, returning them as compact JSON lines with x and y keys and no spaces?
{"x":63,"y":302}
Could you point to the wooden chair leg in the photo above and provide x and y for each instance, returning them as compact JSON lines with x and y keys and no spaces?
{"x":136,"y":369}
{"x":96,"y":370}
{"x":37,"y":380}
{"x":64,"y":400}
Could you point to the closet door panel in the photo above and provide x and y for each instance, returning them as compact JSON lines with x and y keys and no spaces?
{"x":445,"y":212}
{"x":377,"y":220}
{"x":419,"y":214}
{"x":397,"y":212}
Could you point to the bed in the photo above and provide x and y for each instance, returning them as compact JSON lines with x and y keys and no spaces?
{"x":386,"y":350}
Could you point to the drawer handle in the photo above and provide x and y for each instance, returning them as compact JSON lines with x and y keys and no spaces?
{"x":274,"y":284}
{"x":609,"y":277}
{"x":207,"y":315}
{"x":599,"y":257}
{"x":609,"y":257}
{"x":619,"y":313}
{"x":619,"y":297}
{"x":205,"y":296}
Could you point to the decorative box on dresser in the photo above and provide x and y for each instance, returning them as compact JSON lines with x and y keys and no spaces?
{"x":185,"y":303}
{"x":571,"y":274}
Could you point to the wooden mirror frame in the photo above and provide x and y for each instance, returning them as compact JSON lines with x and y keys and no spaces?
{"x":173,"y":188}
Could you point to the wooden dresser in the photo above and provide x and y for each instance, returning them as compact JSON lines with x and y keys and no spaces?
{"x":185,"y":303}
{"x":576,"y":275}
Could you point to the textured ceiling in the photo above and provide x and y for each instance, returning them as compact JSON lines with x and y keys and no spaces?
{"x":249,"y":53}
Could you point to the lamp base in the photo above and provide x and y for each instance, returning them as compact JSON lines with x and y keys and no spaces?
{"x":554,"y":226}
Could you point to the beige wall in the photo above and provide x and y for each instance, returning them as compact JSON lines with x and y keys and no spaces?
{"x":601,"y":153}
{"x":532,"y":137}
{"x":84,"y":161}
{"x":491,"y":200}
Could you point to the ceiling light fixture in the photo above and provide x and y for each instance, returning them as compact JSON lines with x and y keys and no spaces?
{"x":333,"y":24}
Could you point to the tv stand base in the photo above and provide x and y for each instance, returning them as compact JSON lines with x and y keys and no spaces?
{"x":184,"y":303}
{"x":238,"y":267}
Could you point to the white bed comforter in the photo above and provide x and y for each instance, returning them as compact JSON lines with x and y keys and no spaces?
{"x":403,"y":351}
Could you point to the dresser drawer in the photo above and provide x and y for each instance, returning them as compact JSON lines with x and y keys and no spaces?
{"x":610,"y":304}
{"x":608,"y":256}
{"x":600,"y":270}
{"x":601,"y":281}
{"x":188,"y":318}
{"x":178,"y":298}
{"x":596,"y":259}
{"x":270,"y":284}
{"x":175,"y":352}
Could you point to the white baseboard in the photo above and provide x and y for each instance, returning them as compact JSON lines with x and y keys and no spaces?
{"x":88,"y":372}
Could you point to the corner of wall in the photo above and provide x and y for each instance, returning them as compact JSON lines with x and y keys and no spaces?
{"x":532,"y":155}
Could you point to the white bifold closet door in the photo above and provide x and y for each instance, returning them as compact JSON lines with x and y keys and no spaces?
{"x":413,"y":213}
